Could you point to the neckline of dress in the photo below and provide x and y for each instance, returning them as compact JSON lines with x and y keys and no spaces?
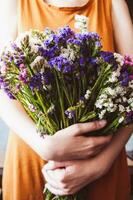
{"x":76,"y":8}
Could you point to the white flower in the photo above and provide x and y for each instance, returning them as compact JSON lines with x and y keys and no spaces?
{"x":81,"y":18}
{"x":21,"y":37}
{"x":130,"y":100}
{"x":3,"y":68}
{"x":87,"y":95}
{"x":121,"y":108}
{"x":69,"y":53}
{"x":131,"y":84}
{"x":110,"y":91}
{"x":101,"y":114}
{"x":124,"y":99}
{"x":128,"y":109}
{"x":37,"y":60}
{"x":81,"y":22}
{"x":98,"y":104}
{"x":119,"y":58}
{"x":121,"y":119}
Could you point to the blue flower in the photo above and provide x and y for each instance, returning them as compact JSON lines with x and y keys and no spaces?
{"x":124,"y":78}
{"x":62,"y":64}
{"x":70,"y":114}
{"x":65,"y":32}
{"x":107,"y":56}
{"x":36,"y":82}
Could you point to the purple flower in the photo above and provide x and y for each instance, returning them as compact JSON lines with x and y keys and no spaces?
{"x":40,"y":79}
{"x":128,"y":60}
{"x":70,"y":114}
{"x":9,"y":94}
{"x":129,"y":117}
{"x":107,"y":56}
{"x":124,"y":78}
{"x":82,"y":61}
{"x":61,"y":64}
{"x":93,"y":61}
{"x":49,"y":52}
{"x":74,"y":41}
{"x":23,"y":76}
{"x":5,"y":87}
{"x":65,"y":32}
{"x":47,"y":78}
{"x":53,"y":40}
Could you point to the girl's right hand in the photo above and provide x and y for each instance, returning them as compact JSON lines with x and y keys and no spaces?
{"x":72,"y":143}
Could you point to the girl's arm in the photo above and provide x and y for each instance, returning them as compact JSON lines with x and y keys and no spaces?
{"x":52,"y":147}
{"x":123,"y":27}
{"x":64,"y":178}
{"x":123,"y":34}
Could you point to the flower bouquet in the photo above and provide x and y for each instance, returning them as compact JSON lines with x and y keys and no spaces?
{"x":62,"y":77}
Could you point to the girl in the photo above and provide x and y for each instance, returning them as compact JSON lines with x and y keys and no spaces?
{"x":26,"y":151}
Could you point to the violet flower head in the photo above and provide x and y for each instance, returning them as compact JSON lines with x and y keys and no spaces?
{"x":65,"y":32}
{"x":5,"y":87}
{"x":70,"y":114}
{"x":107,"y":56}
{"x":23,"y":76}
{"x":62,"y":64}
{"x":36,"y":82}
{"x":47,"y":78}
{"x":124,"y":78}
{"x":128,"y":60}
{"x":9,"y":94}
{"x":129,"y":117}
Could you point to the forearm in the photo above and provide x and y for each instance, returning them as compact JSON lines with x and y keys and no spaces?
{"x":17,"y":119}
{"x":110,"y":154}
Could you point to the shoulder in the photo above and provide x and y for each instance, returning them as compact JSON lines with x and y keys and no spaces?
{"x":8,"y":7}
{"x":123,"y":27}
{"x":119,"y":4}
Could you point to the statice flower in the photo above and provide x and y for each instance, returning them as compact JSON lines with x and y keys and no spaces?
{"x":81,"y":23}
{"x":62,"y":64}
{"x":70,"y":114}
{"x":62,"y":78}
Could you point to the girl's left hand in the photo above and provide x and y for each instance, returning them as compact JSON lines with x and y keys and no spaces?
{"x":65,"y":178}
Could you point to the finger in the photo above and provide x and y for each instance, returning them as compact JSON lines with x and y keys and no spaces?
{"x":58,"y":175}
{"x":51,"y":181}
{"x":101,"y":140}
{"x":54,"y":190}
{"x":51,"y":165}
{"x":97,"y":151}
{"x":81,"y":128}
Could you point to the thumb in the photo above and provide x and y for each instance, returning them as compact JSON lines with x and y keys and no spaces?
{"x":51,"y":165}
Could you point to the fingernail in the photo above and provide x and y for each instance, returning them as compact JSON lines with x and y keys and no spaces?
{"x":102,"y":123}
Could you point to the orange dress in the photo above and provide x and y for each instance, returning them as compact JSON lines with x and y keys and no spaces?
{"x":22,"y":178}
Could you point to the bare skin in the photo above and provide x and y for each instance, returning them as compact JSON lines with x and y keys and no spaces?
{"x":64,"y":178}
{"x":11,"y":111}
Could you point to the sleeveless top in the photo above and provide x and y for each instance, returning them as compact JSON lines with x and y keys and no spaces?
{"x":22,"y":178}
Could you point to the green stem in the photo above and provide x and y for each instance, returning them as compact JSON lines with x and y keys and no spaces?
{"x":60,"y":100}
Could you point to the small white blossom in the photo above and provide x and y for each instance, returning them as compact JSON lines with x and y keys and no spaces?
{"x":110,"y":91}
{"x":121,"y":119}
{"x":81,"y":23}
{"x":131,"y":84}
{"x":101,"y":114}
{"x":121,"y":108}
{"x":37,"y":60}
{"x":128,"y":109}
{"x":119,"y":58}
{"x":124,"y":99}
{"x":87,"y":95}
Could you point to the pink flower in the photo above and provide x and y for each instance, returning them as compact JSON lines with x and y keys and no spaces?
{"x":3,"y":69}
{"x":21,"y":66}
{"x":131,"y":77}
